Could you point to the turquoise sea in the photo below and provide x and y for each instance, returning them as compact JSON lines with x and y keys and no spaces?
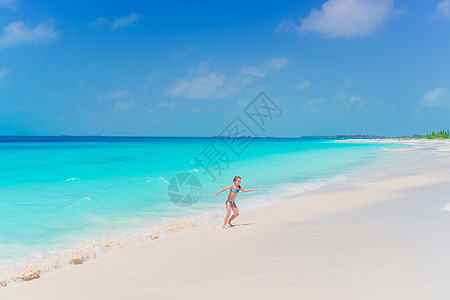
{"x":80,"y":195}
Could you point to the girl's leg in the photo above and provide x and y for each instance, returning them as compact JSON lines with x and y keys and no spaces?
{"x":236,"y":213}
{"x":228,"y":205}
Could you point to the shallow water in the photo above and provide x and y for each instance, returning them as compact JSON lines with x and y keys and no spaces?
{"x":63,"y":195}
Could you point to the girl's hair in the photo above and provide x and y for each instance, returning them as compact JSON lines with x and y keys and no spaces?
{"x":236,"y":177}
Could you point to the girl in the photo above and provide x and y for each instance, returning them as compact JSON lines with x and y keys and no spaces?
{"x":230,"y":203}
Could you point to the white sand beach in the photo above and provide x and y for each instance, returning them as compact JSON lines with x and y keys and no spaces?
{"x":384,"y":236}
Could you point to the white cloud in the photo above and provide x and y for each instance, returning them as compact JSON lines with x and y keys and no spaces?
{"x":152,"y":76}
{"x":202,"y":87}
{"x":253,"y":71}
{"x":126,"y":21}
{"x":355,"y":99}
{"x":315,"y":102}
{"x":213,"y":84}
{"x":285,"y":26}
{"x":171,"y":105}
{"x":345,"y":95}
{"x":273,"y":64}
{"x":343,"y":18}
{"x":150,"y":79}
{"x":123,"y":106}
{"x":122,"y":22}
{"x":99,"y":23}
{"x":202,"y":68}
{"x":302,"y":86}
{"x":443,"y":9}
{"x":16,"y":33}
{"x":4,"y":72}
{"x":114,"y":94}
{"x":183,"y":53}
{"x":12,"y":4}
{"x":436,"y":97}
{"x":343,"y":92}
{"x":348,"y":83}
{"x":209,"y":86}
{"x":276,"y":63}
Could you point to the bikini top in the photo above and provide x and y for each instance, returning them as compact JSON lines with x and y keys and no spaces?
{"x":234,"y":190}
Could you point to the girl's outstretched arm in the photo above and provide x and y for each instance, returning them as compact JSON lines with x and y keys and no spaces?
{"x":248,"y":190}
{"x":217,"y":193}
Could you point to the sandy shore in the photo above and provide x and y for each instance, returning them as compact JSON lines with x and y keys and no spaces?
{"x":385,"y":238}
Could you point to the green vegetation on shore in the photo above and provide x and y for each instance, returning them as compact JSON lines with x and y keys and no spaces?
{"x":434,"y":135}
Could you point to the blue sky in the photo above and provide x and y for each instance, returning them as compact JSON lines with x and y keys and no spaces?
{"x":172,"y":68}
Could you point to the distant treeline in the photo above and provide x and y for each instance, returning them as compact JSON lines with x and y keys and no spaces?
{"x":442,"y":134}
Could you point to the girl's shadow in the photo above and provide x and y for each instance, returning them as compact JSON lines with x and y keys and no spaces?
{"x":244,"y":224}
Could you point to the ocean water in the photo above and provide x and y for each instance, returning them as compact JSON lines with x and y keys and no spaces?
{"x":64,"y":200}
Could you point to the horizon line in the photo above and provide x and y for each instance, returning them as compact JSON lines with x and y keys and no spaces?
{"x":214,"y":136}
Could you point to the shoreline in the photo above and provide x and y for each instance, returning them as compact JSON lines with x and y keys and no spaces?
{"x":41,"y":262}
{"x":407,"y":141}
{"x":80,"y":253}
{"x":204,"y":249}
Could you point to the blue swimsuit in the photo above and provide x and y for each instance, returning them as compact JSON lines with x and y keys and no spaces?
{"x":234,"y":191}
